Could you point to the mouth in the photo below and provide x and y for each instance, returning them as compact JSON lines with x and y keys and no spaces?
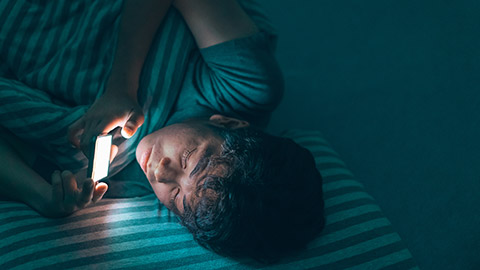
{"x":144,"y":160}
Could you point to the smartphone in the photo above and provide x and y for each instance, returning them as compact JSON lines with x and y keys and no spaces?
{"x":99,"y":164}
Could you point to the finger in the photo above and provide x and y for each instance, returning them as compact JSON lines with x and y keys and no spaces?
{"x":134,"y":121}
{"x":91,"y":130}
{"x":113,"y":152}
{"x":108,"y":125}
{"x":69,"y":188}
{"x":75,"y":131}
{"x":86,"y":195}
{"x":100,"y":189}
{"x":101,"y":128}
{"x":57,"y":187}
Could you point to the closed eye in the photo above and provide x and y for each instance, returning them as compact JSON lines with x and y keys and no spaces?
{"x":185,"y":157}
{"x":173,"y":201}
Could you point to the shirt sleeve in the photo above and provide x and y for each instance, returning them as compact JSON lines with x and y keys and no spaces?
{"x":240,"y":77}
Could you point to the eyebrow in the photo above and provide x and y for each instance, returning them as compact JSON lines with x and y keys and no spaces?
{"x":202,"y":161}
{"x":184,"y":204}
{"x":175,"y":208}
{"x":201,"y":164}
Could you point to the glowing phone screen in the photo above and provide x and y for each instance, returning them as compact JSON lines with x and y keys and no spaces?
{"x":101,"y":159}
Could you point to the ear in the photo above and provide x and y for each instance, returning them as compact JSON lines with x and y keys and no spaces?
{"x":228,"y":122}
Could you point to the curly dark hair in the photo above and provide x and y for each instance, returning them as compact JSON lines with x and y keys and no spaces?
{"x":266,"y":203}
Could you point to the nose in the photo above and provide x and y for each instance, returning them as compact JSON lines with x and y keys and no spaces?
{"x":164,"y":173}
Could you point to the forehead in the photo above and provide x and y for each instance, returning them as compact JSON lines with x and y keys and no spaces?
{"x":192,"y":128}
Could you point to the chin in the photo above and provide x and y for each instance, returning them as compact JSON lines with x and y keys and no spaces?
{"x":138,"y":151}
{"x":137,"y":155}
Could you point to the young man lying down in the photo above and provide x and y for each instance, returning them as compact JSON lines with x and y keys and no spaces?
{"x":190,"y":83}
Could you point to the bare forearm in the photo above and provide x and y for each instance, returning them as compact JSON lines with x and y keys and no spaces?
{"x":118,"y":105}
{"x":17,"y":179}
{"x":139,"y":23}
{"x":19,"y":182}
{"x":215,"y":21}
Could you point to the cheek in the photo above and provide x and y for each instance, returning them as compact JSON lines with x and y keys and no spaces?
{"x":162,"y":193}
{"x":141,"y":147}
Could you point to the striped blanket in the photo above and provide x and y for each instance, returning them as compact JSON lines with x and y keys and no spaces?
{"x":138,"y":233}
{"x":55,"y":57}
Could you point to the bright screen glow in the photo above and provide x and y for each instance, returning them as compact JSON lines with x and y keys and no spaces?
{"x":101,"y":159}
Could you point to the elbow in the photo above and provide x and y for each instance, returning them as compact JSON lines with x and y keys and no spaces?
{"x":268,"y":88}
{"x":274,"y":87}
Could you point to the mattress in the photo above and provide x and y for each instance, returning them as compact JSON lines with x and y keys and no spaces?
{"x":139,"y":233}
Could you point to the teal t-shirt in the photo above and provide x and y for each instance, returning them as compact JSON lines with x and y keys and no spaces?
{"x":238,"y":78}
{"x":56,"y":57}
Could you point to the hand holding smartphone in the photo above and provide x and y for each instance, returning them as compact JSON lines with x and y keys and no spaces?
{"x":98,"y":165}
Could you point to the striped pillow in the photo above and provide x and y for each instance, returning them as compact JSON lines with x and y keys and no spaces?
{"x":138,"y":233}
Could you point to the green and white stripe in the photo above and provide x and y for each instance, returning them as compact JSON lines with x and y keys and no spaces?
{"x":139,"y":233}
{"x":56,"y":56}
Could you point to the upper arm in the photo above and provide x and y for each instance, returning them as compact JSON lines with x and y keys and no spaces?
{"x":215,"y":21}
{"x":236,"y":71}
{"x":240,"y":77}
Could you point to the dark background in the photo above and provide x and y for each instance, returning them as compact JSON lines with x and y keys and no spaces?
{"x":394,"y":86}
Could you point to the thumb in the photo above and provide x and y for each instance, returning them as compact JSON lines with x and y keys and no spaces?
{"x":113,"y":152}
{"x":135,"y":120}
{"x":99,"y":190}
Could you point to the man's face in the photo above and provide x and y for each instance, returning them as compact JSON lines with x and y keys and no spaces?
{"x":173,"y":159}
